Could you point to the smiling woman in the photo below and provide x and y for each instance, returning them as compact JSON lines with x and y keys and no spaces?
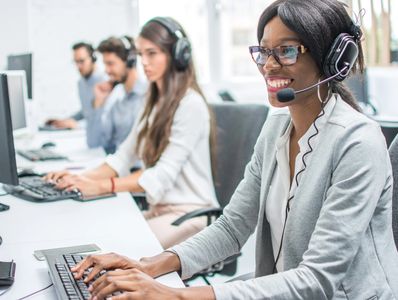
{"x":321,"y":209}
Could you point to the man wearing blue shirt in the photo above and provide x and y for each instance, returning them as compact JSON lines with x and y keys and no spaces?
{"x":84,"y":58}
{"x":121,"y":104}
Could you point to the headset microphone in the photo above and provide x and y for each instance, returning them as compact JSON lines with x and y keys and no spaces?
{"x":289,"y":94}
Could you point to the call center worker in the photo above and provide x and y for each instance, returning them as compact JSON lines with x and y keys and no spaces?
{"x":85,"y":60}
{"x":120,"y":99}
{"x":171,"y":137}
{"x":321,"y":206}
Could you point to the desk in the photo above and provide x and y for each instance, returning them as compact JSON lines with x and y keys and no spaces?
{"x":71,"y":143}
{"x":114,"y":224}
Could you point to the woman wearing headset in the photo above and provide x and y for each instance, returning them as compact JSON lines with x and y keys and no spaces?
{"x":172,"y":138}
{"x":321,"y":205}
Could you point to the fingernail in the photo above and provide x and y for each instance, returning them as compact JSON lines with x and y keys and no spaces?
{"x":90,"y":288}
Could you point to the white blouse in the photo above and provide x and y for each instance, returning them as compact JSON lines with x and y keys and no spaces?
{"x":281,"y":189}
{"x":182,"y":175}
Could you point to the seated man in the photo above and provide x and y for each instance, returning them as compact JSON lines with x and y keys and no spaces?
{"x":84,"y":58}
{"x":121,"y":104}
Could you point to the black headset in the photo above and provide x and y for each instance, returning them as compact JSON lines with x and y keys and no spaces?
{"x":92,"y":53}
{"x":90,"y":49}
{"x":131,"y":57}
{"x":342,"y":54}
{"x":181,"y":52}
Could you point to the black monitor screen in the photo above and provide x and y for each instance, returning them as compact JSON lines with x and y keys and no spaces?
{"x":22,"y":62}
{"x":8,"y":164}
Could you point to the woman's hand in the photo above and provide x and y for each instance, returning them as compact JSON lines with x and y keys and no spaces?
{"x":108,"y":261}
{"x":134,"y":284}
{"x":53,"y":177}
{"x":85,"y":185}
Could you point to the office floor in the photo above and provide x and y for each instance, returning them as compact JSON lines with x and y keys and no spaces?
{"x":245,"y":265}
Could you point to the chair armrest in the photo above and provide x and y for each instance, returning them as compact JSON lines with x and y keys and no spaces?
{"x":213,"y":212}
{"x":140,"y":200}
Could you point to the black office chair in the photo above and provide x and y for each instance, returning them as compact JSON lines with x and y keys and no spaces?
{"x":225,"y":95}
{"x":388,"y":127}
{"x":393,"y":150}
{"x":238,"y":126}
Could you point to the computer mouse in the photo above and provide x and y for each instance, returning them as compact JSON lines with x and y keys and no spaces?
{"x":27,"y":172}
{"x":48,"y":144}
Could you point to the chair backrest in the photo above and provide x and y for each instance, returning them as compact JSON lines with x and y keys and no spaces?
{"x":394,"y":162}
{"x":358,"y":85}
{"x":238,"y":126}
{"x":389,"y":129}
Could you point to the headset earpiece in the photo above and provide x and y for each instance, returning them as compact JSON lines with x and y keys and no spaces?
{"x":343,"y":52}
{"x":93,"y":57}
{"x":131,"y":59}
{"x":182,"y":52}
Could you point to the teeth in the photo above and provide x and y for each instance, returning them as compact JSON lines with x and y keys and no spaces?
{"x":277,"y":83}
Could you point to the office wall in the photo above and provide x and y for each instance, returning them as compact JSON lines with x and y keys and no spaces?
{"x":54,"y":26}
{"x":14,"y":35}
{"x":48,"y":28}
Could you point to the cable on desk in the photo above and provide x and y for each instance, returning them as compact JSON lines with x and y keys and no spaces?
{"x":27,"y":296}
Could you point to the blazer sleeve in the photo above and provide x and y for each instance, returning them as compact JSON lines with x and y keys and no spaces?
{"x":357,"y":185}
{"x":230,"y":232}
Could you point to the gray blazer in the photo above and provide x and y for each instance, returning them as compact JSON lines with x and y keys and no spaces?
{"x":338,"y":242}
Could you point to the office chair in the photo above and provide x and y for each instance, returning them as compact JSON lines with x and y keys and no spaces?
{"x":225,"y":95}
{"x":238,"y":126}
{"x":388,"y":127}
{"x":393,"y":150}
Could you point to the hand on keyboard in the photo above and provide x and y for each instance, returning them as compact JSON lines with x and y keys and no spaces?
{"x":55,"y":176}
{"x":108,"y":261}
{"x":133,"y":283}
{"x":130,"y":278}
{"x":88,"y":187}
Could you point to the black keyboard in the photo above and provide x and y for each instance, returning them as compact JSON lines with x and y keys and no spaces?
{"x":40,"y":154}
{"x":34,"y":188}
{"x":66,"y":286}
{"x":52,"y":128}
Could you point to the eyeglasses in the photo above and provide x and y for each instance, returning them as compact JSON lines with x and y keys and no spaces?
{"x":80,"y":61}
{"x":284,"y":55}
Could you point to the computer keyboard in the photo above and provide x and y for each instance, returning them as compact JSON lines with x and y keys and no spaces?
{"x":34,"y":188}
{"x":40,"y":154}
{"x":66,"y":286}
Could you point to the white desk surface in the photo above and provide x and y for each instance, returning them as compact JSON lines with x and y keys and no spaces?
{"x":114,"y":224}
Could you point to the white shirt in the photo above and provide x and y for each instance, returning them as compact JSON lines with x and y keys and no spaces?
{"x":280,"y":189}
{"x":182,"y":175}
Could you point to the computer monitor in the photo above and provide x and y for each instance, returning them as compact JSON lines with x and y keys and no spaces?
{"x":8,"y":165}
{"x":22,"y":62}
{"x":16,"y":82}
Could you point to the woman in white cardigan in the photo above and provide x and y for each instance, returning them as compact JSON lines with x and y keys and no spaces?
{"x":171,"y":138}
{"x":318,"y":187}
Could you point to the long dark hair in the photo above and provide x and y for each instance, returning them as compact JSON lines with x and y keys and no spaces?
{"x":153,"y":138}
{"x":317,"y":23}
